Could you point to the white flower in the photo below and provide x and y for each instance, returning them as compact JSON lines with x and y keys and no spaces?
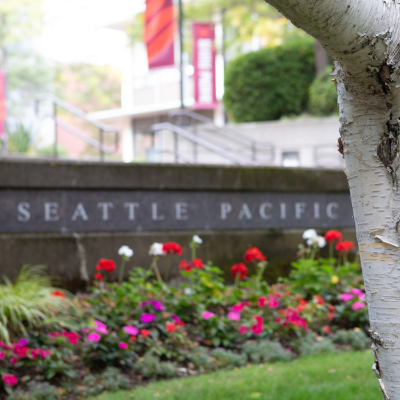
{"x":156,"y":249}
{"x":310,"y":234}
{"x":125,"y":251}
{"x":319,"y":240}
{"x":196,"y":239}
{"x":188,"y":291}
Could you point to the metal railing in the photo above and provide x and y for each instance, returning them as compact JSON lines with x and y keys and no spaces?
{"x":191,"y":119}
{"x":99,"y":144}
{"x":181,"y":132}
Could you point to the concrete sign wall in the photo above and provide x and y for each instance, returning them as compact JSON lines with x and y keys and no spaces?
{"x":67,"y":215}
{"x":85,"y":211}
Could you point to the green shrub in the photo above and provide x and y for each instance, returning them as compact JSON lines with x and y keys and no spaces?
{"x":114,"y":380}
{"x":201,"y":359}
{"x":357,"y":339}
{"x":228,"y":359}
{"x":323,"y":96}
{"x":150,"y":366}
{"x":270,"y":83}
{"x":309,"y":346}
{"x":28,"y":303}
{"x":36,"y":391}
{"x":265,"y":351}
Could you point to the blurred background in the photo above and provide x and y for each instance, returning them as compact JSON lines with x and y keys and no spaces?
{"x":191,"y":81}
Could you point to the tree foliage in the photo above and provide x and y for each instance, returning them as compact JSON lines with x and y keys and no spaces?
{"x":270,"y":83}
{"x":323,"y":96}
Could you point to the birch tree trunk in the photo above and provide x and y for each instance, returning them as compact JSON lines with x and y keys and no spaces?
{"x":363,"y":37}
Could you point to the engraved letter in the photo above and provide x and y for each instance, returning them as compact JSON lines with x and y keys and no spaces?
{"x":329,"y":210}
{"x":316,"y":210}
{"x":283,"y":210}
{"x":154,"y":213}
{"x":225,"y":209}
{"x":300,"y":209}
{"x":181,"y":211}
{"x":23,"y":209}
{"x":104,"y":207}
{"x":50,"y":212}
{"x":79,"y":212}
{"x":245,"y":212}
{"x":131,"y":210}
{"x":263,"y":206}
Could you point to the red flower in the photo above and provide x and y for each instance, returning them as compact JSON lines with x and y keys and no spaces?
{"x":170,"y":327}
{"x":239,"y":269}
{"x":57,"y":293}
{"x":272,"y":302}
{"x":98,"y":276}
{"x":21,"y":351}
{"x":262,"y":301}
{"x":243,"y":329}
{"x":180,"y":323}
{"x":72,"y":337}
{"x":172,"y":248}
{"x":189,"y":265}
{"x":145,"y":332}
{"x":132,"y":338}
{"x":257,"y":328}
{"x":331,"y":312}
{"x":107,"y":265}
{"x":253,"y":254}
{"x":10,"y":380}
{"x":344,"y":246}
{"x":333,"y":235}
{"x":327,"y":329}
{"x":302,"y":304}
{"x":293,"y":318}
{"x":320,"y":300}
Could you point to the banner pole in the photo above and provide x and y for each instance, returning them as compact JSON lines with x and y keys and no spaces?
{"x":181,"y":51}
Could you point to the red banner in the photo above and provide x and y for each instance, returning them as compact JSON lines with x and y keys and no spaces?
{"x":159,"y":33}
{"x":2,"y":104}
{"x":204,"y":66}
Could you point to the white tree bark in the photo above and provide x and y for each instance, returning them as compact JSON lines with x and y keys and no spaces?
{"x":363,"y":38}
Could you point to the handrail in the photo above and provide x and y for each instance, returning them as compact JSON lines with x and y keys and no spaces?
{"x":75,"y":111}
{"x":176,"y":154}
{"x":209,"y":121}
{"x":193,"y":138}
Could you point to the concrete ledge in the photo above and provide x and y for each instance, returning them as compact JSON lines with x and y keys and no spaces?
{"x":40,"y":174}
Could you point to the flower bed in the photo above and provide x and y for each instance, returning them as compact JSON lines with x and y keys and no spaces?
{"x":125,"y":332}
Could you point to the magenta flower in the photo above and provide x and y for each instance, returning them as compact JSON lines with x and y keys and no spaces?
{"x":94,"y":337}
{"x":100,"y":324}
{"x":234,"y":316}
{"x":357,"y":305}
{"x":356,"y":291}
{"x":243,"y":329}
{"x":147,"y":318}
{"x":156,"y":304}
{"x":346,"y":296}
{"x":123,"y":345}
{"x":131,"y":330}
{"x":102,"y":329}
{"x":2,"y":354}
{"x":175,"y":318}
{"x":23,"y":342}
{"x":207,"y":314}
{"x":272,"y":302}
{"x":13,"y":360}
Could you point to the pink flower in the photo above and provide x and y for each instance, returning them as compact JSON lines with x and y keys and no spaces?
{"x":100,"y":324}
{"x":357,"y":305}
{"x":23,"y":342}
{"x":272,"y":302}
{"x":346,"y":296}
{"x":243,"y":329}
{"x":2,"y":355}
{"x":356,"y":291}
{"x":53,"y":335}
{"x":13,"y":360}
{"x":123,"y":345}
{"x":93,"y":337}
{"x":175,"y":318}
{"x":156,"y":304}
{"x":239,"y":307}
{"x":101,"y":329}
{"x":262,"y":301}
{"x":234,"y":316}
{"x":10,"y":380}
{"x":131,"y":330}
{"x":146,"y":318}
{"x":257,"y":328}
{"x":207,"y":314}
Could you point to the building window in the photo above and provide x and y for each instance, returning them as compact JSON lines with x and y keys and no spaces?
{"x":290,"y":159}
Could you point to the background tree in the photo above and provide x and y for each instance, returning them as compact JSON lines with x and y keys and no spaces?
{"x":363,"y":37}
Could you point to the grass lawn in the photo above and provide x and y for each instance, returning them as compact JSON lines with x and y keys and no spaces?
{"x":343,"y":376}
